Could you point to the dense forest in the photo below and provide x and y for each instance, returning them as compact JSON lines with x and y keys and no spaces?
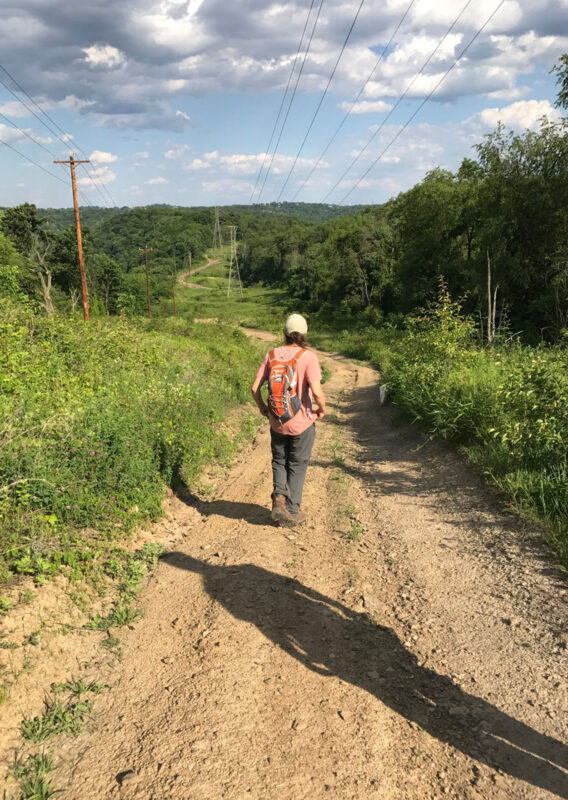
{"x":57,"y":219}
{"x":496,"y":230}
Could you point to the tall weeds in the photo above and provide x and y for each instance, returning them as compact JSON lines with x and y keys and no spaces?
{"x":96,"y":420}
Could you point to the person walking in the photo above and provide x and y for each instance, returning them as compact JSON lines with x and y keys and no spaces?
{"x":293,"y":374}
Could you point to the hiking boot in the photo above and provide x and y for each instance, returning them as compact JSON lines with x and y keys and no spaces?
{"x":299,"y":519}
{"x":279,"y":511}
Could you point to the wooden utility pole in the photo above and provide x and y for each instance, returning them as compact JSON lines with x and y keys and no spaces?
{"x":147,"y":250}
{"x":72,"y":163}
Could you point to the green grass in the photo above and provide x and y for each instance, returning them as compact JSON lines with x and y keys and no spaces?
{"x":259,"y":307}
{"x":31,"y":774}
{"x":62,"y":715}
{"x":119,"y":617}
{"x":506,"y":406}
{"x":78,"y":687}
{"x":355,"y":531}
{"x":95,"y":422}
{"x":57,"y":719}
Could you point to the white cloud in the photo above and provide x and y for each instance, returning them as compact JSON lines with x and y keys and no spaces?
{"x":522,"y":114}
{"x":244,"y":164}
{"x":366,"y":106}
{"x":142,"y":155}
{"x":13,"y":108}
{"x":101,"y":157}
{"x":189,"y":48}
{"x":102,"y":175}
{"x":176,"y":152}
{"x":11,"y":135}
{"x":104,"y":55}
{"x":155,"y":181}
{"x":231,"y":188}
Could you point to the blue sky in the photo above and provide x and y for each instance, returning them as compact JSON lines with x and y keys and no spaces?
{"x":174,"y":100}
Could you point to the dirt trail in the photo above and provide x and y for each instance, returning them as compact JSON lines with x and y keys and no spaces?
{"x":407,"y":643}
{"x":184,"y":275}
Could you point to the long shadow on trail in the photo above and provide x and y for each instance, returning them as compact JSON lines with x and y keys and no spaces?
{"x":250,"y":512}
{"x":332,"y":640}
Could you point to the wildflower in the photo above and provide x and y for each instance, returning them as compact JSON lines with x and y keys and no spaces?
{"x":128,"y":444}
{"x":67,"y":507}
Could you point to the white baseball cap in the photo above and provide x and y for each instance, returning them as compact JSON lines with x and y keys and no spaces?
{"x":295,"y":324}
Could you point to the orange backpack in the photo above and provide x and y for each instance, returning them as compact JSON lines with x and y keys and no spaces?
{"x":283,"y":400}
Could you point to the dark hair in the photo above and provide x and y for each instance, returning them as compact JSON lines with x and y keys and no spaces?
{"x":296,"y":338}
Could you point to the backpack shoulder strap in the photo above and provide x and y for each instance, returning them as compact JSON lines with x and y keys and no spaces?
{"x":297,"y":356}
{"x":271,"y":357}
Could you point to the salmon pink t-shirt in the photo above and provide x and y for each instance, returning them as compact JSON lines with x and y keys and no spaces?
{"x":308,"y":371}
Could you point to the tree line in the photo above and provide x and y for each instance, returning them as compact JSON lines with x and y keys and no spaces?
{"x":496,"y":230}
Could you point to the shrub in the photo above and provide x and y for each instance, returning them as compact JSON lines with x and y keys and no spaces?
{"x":95,"y":421}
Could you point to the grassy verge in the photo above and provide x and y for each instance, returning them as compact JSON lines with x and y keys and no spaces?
{"x":259,"y":307}
{"x":95,"y":422}
{"x":505,"y":405}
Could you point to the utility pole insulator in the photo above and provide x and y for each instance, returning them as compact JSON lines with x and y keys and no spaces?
{"x":72,"y":163}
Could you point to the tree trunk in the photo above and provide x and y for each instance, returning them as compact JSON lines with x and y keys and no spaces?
{"x":494,"y":309}
{"x":46,"y":292}
{"x":490,"y":331}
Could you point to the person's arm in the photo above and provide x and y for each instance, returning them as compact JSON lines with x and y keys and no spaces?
{"x":255,"y":389}
{"x":261,"y":377}
{"x":319,"y":397}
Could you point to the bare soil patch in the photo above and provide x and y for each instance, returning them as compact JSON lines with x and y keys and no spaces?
{"x":184,"y":275}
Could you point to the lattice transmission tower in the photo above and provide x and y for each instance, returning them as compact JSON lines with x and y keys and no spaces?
{"x":217,"y":237}
{"x":234,"y":273}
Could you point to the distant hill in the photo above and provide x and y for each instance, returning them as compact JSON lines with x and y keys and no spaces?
{"x":308,"y":212}
{"x":57,"y":219}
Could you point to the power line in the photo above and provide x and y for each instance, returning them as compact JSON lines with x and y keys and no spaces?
{"x":291,"y":100}
{"x":5,"y":85}
{"x":29,"y":136}
{"x":54,"y":123}
{"x":361,"y":90}
{"x":423,"y":103}
{"x":316,"y":112}
{"x":96,"y":185}
{"x":283,"y":99}
{"x":398,"y":102}
{"x":84,"y":201}
{"x":31,"y":111}
{"x":27,"y":158}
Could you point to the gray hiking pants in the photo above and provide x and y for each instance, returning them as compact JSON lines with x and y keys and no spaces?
{"x":290,"y":458}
